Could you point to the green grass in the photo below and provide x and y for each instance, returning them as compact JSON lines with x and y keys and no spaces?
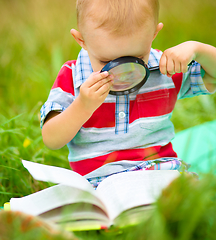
{"x":35,"y":41}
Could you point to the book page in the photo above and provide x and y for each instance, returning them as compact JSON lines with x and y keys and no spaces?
{"x":75,"y":212}
{"x":123,"y":191}
{"x":54,"y":174}
{"x":134,"y":216}
{"x":51,"y":198}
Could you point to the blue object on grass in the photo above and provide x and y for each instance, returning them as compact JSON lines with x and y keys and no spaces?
{"x":197,"y":146}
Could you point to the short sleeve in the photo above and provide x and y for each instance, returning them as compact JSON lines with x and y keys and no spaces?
{"x":192,"y":82}
{"x":61,"y":94}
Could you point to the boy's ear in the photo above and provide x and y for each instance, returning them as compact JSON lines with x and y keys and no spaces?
{"x":158,"y":28}
{"x":78,"y":37}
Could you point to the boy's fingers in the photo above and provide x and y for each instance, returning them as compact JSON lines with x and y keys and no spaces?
{"x":177,"y":67}
{"x":184,"y":68}
{"x":97,"y":76}
{"x":108,"y":81}
{"x":166,"y":66}
{"x":170,"y":66}
{"x":162,"y":64}
{"x":104,"y":89}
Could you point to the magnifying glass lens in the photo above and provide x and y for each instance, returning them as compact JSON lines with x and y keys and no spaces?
{"x":127,"y":75}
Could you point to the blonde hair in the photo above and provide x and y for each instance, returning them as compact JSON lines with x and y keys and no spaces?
{"x":119,"y":17}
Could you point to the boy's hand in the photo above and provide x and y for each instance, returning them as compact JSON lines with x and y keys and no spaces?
{"x":176,"y":59}
{"x":94,"y":91}
{"x":58,"y":130}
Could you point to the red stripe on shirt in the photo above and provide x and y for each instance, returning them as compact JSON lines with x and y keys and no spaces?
{"x":64,"y":79}
{"x":177,"y":79}
{"x":104,"y":116}
{"x":88,"y":165}
{"x":151,"y":104}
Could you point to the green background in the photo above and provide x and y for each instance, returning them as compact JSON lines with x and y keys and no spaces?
{"x":35,"y":41}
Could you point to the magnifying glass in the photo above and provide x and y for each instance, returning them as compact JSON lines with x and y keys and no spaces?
{"x":130,"y":74}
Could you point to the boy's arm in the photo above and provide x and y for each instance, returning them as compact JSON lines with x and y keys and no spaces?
{"x":206,"y":56}
{"x":176,"y":60}
{"x":60,"y":128}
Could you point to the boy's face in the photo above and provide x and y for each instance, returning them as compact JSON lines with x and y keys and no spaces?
{"x":103,"y":47}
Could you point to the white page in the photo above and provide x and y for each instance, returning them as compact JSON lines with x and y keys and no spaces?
{"x":125,"y":190}
{"x":51,"y":198}
{"x":77,"y":211}
{"x":54,"y":174}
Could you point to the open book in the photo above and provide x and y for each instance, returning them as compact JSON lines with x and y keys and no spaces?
{"x":121,"y":199}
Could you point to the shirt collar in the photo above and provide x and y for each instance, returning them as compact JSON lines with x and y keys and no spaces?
{"x":154,"y":58}
{"x":84,"y":69}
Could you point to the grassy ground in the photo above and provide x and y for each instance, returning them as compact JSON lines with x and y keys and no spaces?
{"x":35,"y":41}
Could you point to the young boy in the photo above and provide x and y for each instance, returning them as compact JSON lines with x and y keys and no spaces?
{"x":109,"y":134}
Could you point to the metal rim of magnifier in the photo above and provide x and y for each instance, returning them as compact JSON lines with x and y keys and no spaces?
{"x":118,"y":61}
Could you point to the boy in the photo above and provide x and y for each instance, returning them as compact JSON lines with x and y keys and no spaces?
{"x":108,"y":134}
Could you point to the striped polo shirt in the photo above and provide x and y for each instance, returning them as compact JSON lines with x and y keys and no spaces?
{"x":134,"y":127}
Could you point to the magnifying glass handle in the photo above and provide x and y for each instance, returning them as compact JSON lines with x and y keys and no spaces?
{"x":191,"y":63}
{"x":154,"y":68}
{"x":157,"y":67}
